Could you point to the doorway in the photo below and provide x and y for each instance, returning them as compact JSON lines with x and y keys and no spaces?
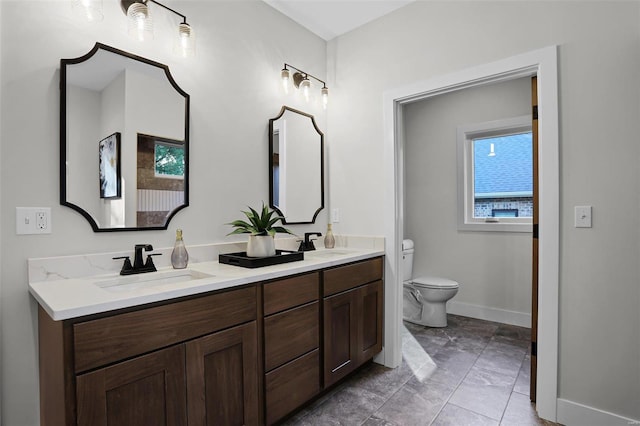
{"x":543,"y":64}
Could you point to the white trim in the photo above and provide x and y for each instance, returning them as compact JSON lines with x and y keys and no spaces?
{"x":543,"y":63}
{"x":521,"y":319}
{"x":393,"y":226}
{"x":517,"y":194}
{"x":571,"y":413}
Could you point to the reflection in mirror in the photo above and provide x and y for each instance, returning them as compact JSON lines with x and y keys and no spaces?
{"x":160,"y":181}
{"x":124,"y":129}
{"x":296,"y":165}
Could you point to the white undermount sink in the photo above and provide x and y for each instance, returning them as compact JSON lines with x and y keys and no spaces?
{"x":150,"y":279}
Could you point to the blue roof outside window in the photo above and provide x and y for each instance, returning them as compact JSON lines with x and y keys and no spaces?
{"x":508,"y":173}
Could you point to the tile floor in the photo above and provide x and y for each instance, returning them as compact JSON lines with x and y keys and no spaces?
{"x":472,"y":372}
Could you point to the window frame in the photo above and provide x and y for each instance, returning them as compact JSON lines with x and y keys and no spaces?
{"x":465,"y":135}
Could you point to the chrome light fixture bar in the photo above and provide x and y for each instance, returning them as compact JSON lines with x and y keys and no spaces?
{"x":301,"y":81}
{"x":141,"y":25}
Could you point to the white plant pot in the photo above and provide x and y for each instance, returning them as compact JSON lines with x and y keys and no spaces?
{"x":261,"y":246}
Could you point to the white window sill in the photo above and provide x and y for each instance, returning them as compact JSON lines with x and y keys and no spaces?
{"x":495,"y":227}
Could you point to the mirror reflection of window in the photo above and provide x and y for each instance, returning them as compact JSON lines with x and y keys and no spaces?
{"x":169,"y":160}
{"x":161,"y":168}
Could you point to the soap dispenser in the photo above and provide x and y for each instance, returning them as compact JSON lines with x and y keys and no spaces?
{"x":179,"y":255}
{"x":329,"y":239}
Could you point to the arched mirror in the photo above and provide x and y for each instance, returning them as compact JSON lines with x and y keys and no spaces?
{"x":296,"y":166}
{"x":124,"y":140}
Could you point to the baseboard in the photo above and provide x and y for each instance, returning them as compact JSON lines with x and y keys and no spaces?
{"x":490,"y":314}
{"x":571,"y":413}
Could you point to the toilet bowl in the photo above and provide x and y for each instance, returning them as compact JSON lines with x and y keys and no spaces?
{"x":425,"y":298}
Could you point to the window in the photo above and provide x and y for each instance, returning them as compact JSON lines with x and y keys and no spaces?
{"x":495,"y":176}
{"x":169,"y":159}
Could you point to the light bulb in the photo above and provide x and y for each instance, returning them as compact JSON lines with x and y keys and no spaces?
{"x":140,"y":21}
{"x":185,"y":45}
{"x":286,"y":77}
{"x":492,"y":152}
{"x":325,"y":97}
{"x":305,"y":85}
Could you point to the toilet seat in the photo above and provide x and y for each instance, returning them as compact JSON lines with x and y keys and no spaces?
{"x":434,"y":283}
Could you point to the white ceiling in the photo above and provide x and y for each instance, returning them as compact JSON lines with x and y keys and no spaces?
{"x":331,"y":18}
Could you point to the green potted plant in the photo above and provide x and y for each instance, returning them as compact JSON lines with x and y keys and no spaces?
{"x":261,"y":229}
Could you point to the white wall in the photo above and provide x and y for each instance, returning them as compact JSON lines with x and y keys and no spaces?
{"x":492,"y":268}
{"x":235,"y":89}
{"x":599,"y":62}
{"x":112,"y":119}
{"x":82,"y":149}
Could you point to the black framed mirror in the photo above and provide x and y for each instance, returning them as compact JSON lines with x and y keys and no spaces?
{"x":124,"y":141}
{"x":296,"y":166}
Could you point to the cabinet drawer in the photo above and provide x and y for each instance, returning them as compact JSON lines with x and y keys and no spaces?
{"x":292,"y":385}
{"x":106,"y":340}
{"x":288,"y":293}
{"x":346,"y":277}
{"x":291,"y":333}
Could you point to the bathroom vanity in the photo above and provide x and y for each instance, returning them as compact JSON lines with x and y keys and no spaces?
{"x":236,"y":346}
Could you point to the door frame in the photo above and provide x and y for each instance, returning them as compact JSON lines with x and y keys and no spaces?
{"x":543,"y":63}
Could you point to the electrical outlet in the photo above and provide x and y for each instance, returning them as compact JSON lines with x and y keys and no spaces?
{"x":41,"y":221}
{"x":33,"y":220}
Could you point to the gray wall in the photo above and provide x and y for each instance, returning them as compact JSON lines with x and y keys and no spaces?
{"x":234,"y":86}
{"x":492,"y":268}
{"x":599,"y":64}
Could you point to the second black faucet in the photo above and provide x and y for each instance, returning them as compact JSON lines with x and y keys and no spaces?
{"x":307,"y":244}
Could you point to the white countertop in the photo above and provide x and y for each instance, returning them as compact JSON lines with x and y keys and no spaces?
{"x":74,"y":297}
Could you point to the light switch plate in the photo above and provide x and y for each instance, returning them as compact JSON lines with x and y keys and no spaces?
{"x":33,"y":220}
{"x":583,"y":216}
{"x":335,"y":215}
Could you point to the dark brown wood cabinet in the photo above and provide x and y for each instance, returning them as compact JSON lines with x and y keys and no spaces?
{"x":291,"y":343}
{"x":370,"y":314}
{"x":189,"y":362}
{"x":353,"y":317}
{"x":222,"y":377}
{"x":146,"y":390}
{"x":340,"y":336}
{"x":245,"y":356}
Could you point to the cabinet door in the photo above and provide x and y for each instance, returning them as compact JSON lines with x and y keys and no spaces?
{"x":340,"y":335}
{"x":369,"y":321}
{"x":147,"y":390}
{"x":222,"y":378}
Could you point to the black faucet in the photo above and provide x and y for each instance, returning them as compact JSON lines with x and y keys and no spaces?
{"x":138,"y":266}
{"x":307,"y":244}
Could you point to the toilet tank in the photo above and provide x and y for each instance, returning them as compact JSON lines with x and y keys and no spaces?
{"x":407,"y":260}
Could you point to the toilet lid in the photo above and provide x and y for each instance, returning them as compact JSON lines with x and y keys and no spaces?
{"x":434,"y":282}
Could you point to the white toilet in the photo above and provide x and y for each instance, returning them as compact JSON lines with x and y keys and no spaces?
{"x":425,"y":298}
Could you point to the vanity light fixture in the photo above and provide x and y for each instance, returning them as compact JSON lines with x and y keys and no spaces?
{"x":301,"y":81}
{"x":141,"y":25}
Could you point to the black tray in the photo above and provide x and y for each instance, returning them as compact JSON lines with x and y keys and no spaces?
{"x":241,"y":259}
